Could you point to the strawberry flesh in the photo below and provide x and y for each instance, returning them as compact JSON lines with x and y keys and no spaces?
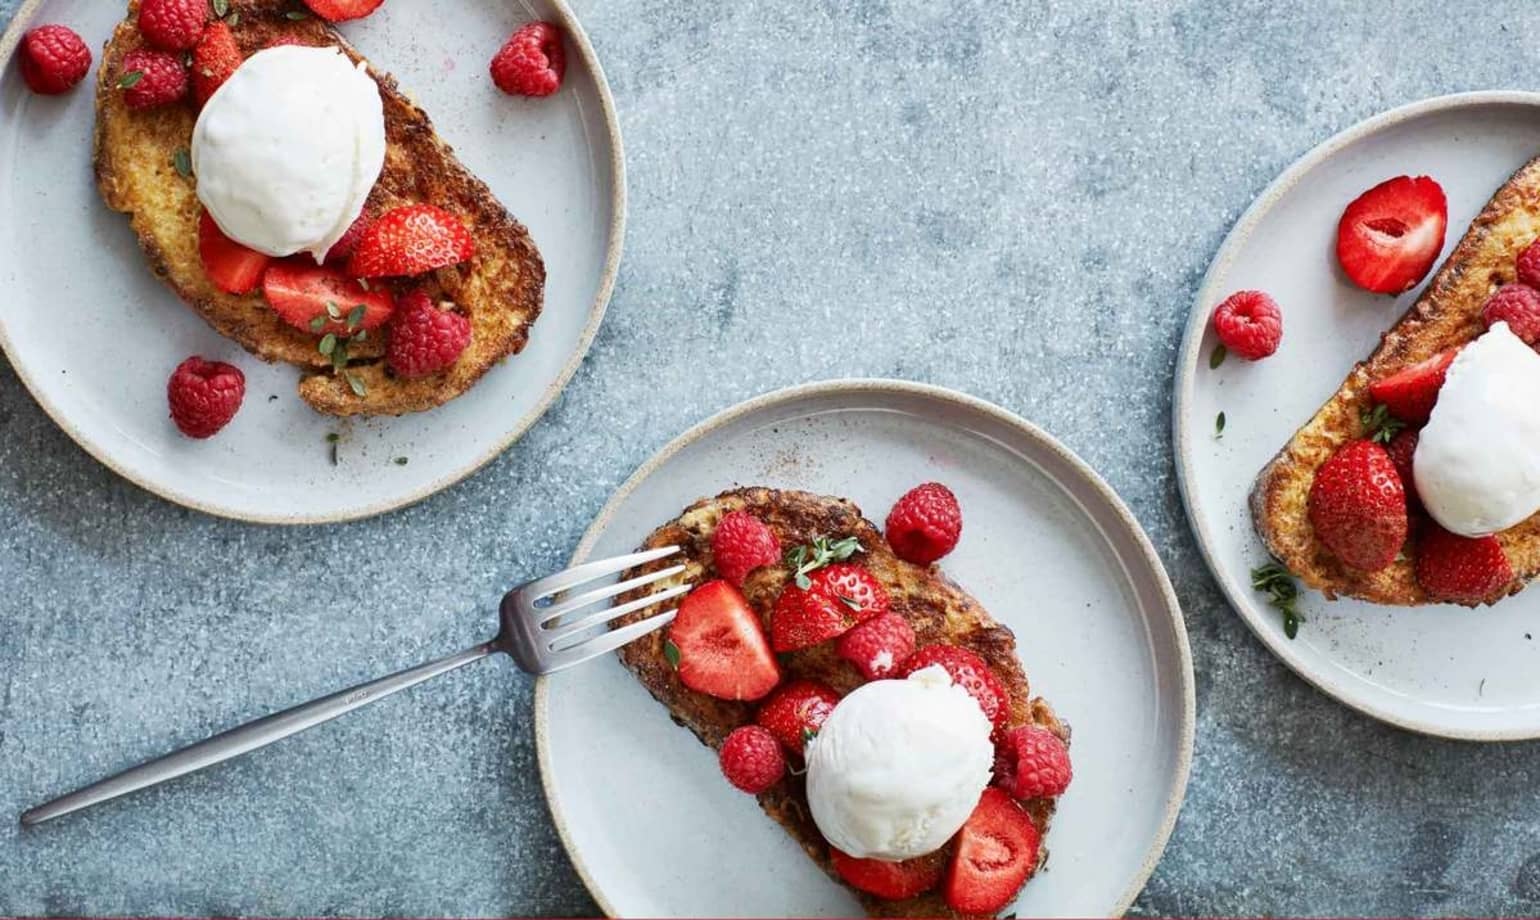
{"x":996,"y":853}
{"x":1410,"y":394}
{"x":1389,"y":237}
{"x":722,"y":650}
{"x":232,"y":267}
{"x":891,"y":881}
{"x":300,"y":291}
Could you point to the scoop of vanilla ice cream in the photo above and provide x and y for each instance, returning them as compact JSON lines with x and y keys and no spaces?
{"x":288,"y":149}
{"x":898,"y":766}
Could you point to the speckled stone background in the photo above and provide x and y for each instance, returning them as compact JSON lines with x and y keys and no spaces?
{"x":1016,"y":199}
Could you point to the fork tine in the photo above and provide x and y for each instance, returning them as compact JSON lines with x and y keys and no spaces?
{"x":588,"y":571}
{"x":562,"y":631}
{"x":544,"y":615}
{"x":608,"y":642}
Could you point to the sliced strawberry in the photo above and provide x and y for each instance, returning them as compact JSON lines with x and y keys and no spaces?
{"x":996,"y":853}
{"x":343,"y":249}
{"x":1389,"y":236}
{"x":232,"y":267}
{"x":322,"y":300}
{"x":969,"y":672}
{"x":1462,"y":570}
{"x":803,"y":618}
{"x":891,"y":881}
{"x":1411,"y":393}
{"x":852,"y":586}
{"x":343,"y":10}
{"x":214,"y":59}
{"x":721,"y":649}
{"x":796,"y":712}
{"x":411,"y":240}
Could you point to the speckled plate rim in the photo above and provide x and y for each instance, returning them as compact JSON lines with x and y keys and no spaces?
{"x":1186,"y":376}
{"x":856,"y":387}
{"x":615,"y":243}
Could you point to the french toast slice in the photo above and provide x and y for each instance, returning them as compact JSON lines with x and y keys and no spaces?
{"x":1448,"y":314}
{"x":501,"y":289}
{"x":939,"y":611}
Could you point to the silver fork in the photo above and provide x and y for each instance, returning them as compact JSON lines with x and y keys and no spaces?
{"x":544,"y":628}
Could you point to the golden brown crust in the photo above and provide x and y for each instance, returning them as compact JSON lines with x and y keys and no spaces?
{"x":938,"y":610}
{"x":501,"y":289}
{"x":1448,"y":314}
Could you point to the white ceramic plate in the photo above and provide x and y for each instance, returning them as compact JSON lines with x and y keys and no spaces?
{"x":1440,"y":670}
{"x":653,"y":828}
{"x":95,"y":336}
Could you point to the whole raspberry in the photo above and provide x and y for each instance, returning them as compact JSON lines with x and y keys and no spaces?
{"x":423,"y":338}
{"x":1518,"y":305}
{"x":53,"y":59}
{"x":1249,"y":324}
{"x":879,"y":646}
{"x":204,"y":396}
{"x":532,"y":63}
{"x":741,"y":544}
{"x":152,"y":78}
{"x":751,"y":759}
{"x":173,"y":25}
{"x":1032,"y":763}
{"x":1401,"y":449}
{"x":1527,"y":266}
{"x":924,"y":524}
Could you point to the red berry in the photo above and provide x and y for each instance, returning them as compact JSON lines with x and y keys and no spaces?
{"x":969,"y":672}
{"x":997,"y":852}
{"x":925,"y":524}
{"x":343,"y":10}
{"x":852,"y":588}
{"x":719,"y":646}
{"x":837,"y":598}
{"x":53,"y":59}
{"x":411,"y":240}
{"x":796,"y":711}
{"x":1518,"y":305}
{"x":891,"y":881}
{"x":879,"y":646}
{"x":1410,"y":394}
{"x":152,"y":78}
{"x":1401,"y":449}
{"x":232,"y":267}
{"x":1527,"y":265}
{"x":425,"y":339}
{"x":1249,"y":324}
{"x":1358,"y":506}
{"x":204,"y":396}
{"x":1031,"y":762}
{"x":1462,"y":570}
{"x":1389,"y":237}
{"x":742,"y":543}
{"x":306,"y":294}
{"x":751,"y":759}
{"x":173,"y":25}
{"x":532,"y":63}
{"x":343,"y":249}
{"x":214,"y":59}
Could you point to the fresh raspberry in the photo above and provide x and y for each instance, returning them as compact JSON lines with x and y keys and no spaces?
{"x":343,"y":249}
{"x":1401,"y":449}
{"x":1518,"y":305}
{"x":742,"y":543}
{"x":1357,"y":506}
{"x":213,"y":61}
{"x":425,"y":339}
{"x":53,"y":59}
{"x":1032,"y":762}
{"x":152,"y":78}
{"x":751,"y":759}
{"x":204,"y":396}
{"x":879,"y":646}
{"x":173,"y":25}
{"x":796,"y":711}
{"x":411,"y":240}
{"x":1249,"y":324}
{"x":969,"y":672}
{"x":1527,"y":265}
{"x":1462,"y":570}
{"x":924,"y":524}
{"x":343,"y":10}
{"x":532,"y":63}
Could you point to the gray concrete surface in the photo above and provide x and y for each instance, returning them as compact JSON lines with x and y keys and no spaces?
{"x":1013,"y":198}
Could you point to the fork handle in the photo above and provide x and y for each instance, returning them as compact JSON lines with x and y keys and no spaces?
{"x":259,"y":733}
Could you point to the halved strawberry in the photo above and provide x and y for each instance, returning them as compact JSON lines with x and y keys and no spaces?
{"x":323,"y":300}
{"x":1411,"y":393}
{"x":1462,"y":570}
{"x":969,"y":672}
{"x":343,"y":10}
{"x":1390,"y":235}
{"x":796,"y":712}
{"x":719,"y":647}
{"x":411,"y":240}
{"x":232,"y":267}
{"x":852,"y":586}
{"x":214,"y":59}
{"x":996,"y":854}
{"x":891,"y":881}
